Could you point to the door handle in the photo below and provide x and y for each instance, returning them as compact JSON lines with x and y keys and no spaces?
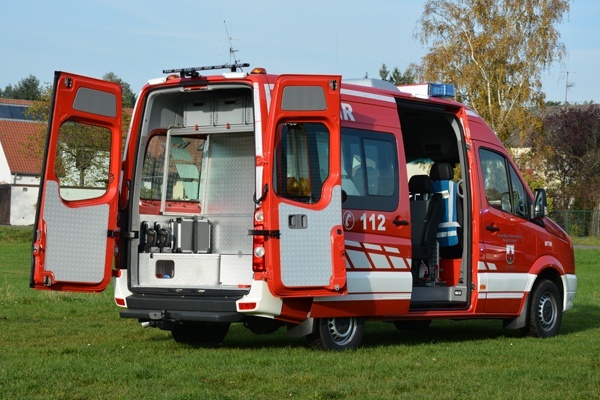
{"x":297,"y":221}
{"x":400,"y":222}
{"x":492,"y":228}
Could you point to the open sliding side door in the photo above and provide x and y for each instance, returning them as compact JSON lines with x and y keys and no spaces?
{"x":305,"y":248}
{"x":76,"y":217}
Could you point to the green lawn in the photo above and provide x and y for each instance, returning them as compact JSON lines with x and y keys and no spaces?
{"x":75,"y":346}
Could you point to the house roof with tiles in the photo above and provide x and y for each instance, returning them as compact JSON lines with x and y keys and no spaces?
{"x":16,"y":128}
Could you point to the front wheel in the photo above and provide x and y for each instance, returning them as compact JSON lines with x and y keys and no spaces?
{"x":337,"y":333}
{"x":545,"y":311}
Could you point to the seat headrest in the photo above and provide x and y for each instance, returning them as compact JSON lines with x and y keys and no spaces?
{"x":420,"y":184}
{"x":441,"y":171}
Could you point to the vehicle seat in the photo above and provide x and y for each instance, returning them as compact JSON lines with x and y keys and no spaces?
{"x":386,"y":182}
{"x":358,"y":178}
{"x":421,"y":190}
{"x":372,"y":181}
{"x":347,"y":184}
{"x":449,"y":230}
{"x":425,"y":214}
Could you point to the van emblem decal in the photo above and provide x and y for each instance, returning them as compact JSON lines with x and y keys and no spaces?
{"x":510,"y":253}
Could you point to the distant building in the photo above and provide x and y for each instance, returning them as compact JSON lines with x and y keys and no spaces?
{"x":20,"y":167}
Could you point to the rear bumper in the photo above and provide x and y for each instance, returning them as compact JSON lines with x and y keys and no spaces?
{"x":176,"y":309}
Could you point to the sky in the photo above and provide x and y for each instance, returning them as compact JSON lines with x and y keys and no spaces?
{"x":138,"y":39}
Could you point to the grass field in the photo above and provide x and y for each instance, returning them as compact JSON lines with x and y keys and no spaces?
{"x":74,"y":346}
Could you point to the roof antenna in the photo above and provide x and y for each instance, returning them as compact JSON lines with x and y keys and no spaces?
{"x":231,"y":50}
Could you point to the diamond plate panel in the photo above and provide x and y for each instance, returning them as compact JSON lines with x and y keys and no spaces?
{"x":76,"y":239}
{"x":230,"y":180}
{"x":230,"y":234}
{"x":190,"y":270}
{"x":306,"y":254}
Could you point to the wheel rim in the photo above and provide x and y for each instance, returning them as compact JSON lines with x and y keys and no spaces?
{"x":547,"y":311}
{"x":342,"y":330}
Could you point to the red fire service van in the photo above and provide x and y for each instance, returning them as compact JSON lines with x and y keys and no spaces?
{"x":296,"y":201}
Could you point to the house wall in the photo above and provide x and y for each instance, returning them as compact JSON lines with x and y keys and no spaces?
{"x":23,"y":202}
{"x":4,"y":169}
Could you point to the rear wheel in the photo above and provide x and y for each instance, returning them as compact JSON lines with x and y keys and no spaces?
{"x":337,"y":333}
{"x":545,"y":311}
{"x":199,"y":334}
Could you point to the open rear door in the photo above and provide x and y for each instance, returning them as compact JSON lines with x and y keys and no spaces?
{"x":305,"y":248}
{"x":75,"y":228}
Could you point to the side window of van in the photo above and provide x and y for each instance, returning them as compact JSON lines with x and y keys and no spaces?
{"x":503,"y":188}
{"x":369,"y":170}
{"x":519,"y":196}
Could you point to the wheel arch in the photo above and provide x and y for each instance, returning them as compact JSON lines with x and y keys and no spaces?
{"x":548,"y":267}
{"x":545,"y":268}
{"x":554,"y":276}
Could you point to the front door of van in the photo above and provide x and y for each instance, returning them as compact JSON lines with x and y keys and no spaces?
{"x":509,"y":239}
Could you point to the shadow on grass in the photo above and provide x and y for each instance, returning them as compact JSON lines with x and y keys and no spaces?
{"x":581,"y":318}
{"x":578,"y":320}
{"x":439,"y":332}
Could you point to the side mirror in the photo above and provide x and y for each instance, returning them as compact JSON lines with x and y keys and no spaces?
{"x":539,"y":208}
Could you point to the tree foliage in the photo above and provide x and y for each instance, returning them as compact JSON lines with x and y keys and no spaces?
{"x":127,"y":94}
{"x":494,"y":52}
{"x":27,"y":89}
{"x":39,"y":110}
{"x":83,"y":152}
{"x":570,"y":145}
{"x":396,"y":76}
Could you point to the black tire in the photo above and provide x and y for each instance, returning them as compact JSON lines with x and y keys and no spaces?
{"x":337,"y":333}
{"x":417,"y":325}
{"x":200,"y":334}
{"x":545,"y":311}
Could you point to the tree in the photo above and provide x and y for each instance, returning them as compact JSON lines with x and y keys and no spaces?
{"x":396,"y":76}
{"x":494,"y":52}
{"x":27,"y":89}
{"x":552,"y":103}
{"x":570,"y":145}
{"x":402,"y":78}
{"x":39,"y":111}
{"x":128,"y":95}
{"x":384,"y":72}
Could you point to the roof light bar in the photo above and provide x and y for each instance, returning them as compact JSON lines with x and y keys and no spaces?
{"x":193,"y":71}
{"x":441,"y":90}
